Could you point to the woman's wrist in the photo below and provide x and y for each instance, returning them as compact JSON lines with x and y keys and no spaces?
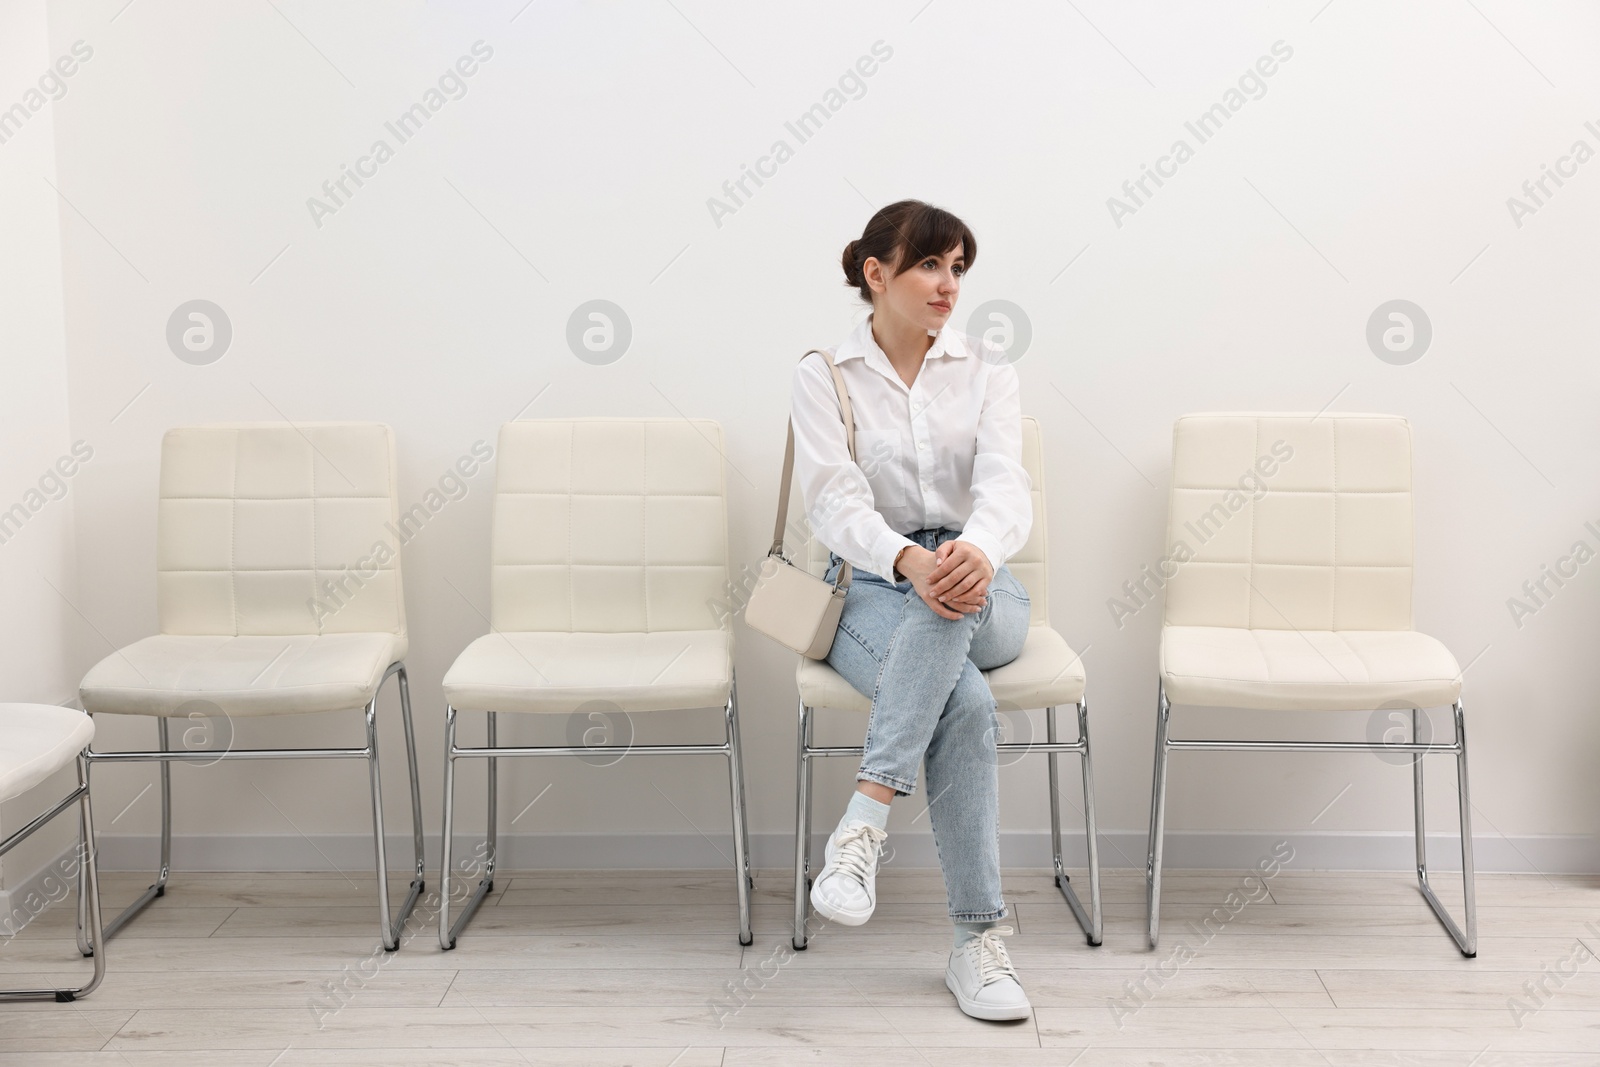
{"x":898,"y":556}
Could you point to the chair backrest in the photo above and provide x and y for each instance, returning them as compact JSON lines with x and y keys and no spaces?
{"x":268,"y":528}
{"x":606,"y":525}
{"x":1029,"y":564}
{"x":1290,"y":521}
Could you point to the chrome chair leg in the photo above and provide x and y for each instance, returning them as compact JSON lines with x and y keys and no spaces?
{"x":93,"y":944}
{"x":741,"y":840}
{"x":85,"y":944}
{"x":802,"y":830}
{"x":1467,"y":942}
{"x":159,"y":888}
{"x":90,"y":863}
{"x":446,"y":942}
{"x":418,"y":881}
{"x":1158,"y":801}
{"x":391,"y":929}
{"x":1055,"y":793}
{"x":390,"y":941}
{"x":491,"y":850}
{"x":1092,"y":824}
{"x":1090,"y":921}
{"x":492,"y":838}
{"x":448,"y":933}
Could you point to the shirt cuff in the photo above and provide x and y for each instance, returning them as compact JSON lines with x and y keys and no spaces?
{"x":889,"y":546}
{"x":988,"y":545}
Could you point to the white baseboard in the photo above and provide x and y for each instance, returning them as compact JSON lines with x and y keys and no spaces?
{"x":1389,"y":851}
{"x":1184,"y":850}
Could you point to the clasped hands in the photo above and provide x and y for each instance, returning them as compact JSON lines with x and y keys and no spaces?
{"x":952,"y":580}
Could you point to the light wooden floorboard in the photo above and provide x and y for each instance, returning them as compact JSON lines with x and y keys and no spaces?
{"x":612,"y":968}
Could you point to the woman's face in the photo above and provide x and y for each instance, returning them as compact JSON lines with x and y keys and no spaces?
{"x":924,"y":293}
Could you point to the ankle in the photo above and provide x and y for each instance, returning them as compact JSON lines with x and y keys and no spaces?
{"x":966,"y":931}
{"x":867,"y":810}
{"x":883,"y":794}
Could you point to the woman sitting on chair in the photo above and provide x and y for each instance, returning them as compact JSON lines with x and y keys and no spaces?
{"x":927,"y":519}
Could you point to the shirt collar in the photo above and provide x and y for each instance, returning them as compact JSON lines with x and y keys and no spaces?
{"x":860,"y":344}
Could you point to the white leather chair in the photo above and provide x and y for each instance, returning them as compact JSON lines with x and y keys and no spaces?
{"x":1046,"y":674}
{"x":278,"y":592}
{"x":1298,"y":597}
{"x":608,"y":560}
{"x":36,"y":741}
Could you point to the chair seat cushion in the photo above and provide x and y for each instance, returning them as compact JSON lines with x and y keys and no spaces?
{"x":1306,"y":670}
{"x":249,"y":675}
{"x":36,"y":741}
{"x":1046,"y":674}
{"x":550,"y":672}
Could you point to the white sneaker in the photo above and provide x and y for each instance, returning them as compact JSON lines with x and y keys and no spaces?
{"x":982,"y":978}
{"x":847,"y":889}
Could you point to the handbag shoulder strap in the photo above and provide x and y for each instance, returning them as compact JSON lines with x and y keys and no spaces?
{"x":843,"y":580}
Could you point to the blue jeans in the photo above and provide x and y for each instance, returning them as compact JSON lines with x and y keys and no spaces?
{"x":930,"y":702}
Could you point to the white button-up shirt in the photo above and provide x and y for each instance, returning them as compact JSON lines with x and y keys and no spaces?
{"x":945,"y":451}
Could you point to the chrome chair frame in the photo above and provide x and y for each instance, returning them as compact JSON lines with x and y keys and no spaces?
{"x":1090,"y":920}
{"x":165,"y":756}
{"x":493,"y":753}
{"x":1467,"y":942}
{"x":88,"y":890}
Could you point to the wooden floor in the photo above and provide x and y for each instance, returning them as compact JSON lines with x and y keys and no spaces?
{"x":637,"y":967}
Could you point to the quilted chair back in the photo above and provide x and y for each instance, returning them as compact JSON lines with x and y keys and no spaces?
{"x":1292,"y":521}
{"x":1028,"y":564}
{"x":267,"y":528}
{"x":609,"y":525}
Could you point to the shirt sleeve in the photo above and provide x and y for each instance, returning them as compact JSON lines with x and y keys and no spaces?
{"x":1002,"y":492}
{"x":838,"y":499}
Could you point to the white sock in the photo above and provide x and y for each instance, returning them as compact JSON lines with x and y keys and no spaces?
{"x":872,"y":812}
{"x":967,"y":931}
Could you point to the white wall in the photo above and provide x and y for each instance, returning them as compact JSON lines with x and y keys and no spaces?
{"x":1376,"y":165}
{"x":37,"y":574}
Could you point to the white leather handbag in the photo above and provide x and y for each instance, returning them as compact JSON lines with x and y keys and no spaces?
{"x":789,"y":604}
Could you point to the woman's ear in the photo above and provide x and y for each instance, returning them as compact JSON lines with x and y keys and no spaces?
{"x":873,"y":273}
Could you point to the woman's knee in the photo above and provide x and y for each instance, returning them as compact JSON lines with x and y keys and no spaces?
{"x":971,"y":697}
{"x":1000,"y":638}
